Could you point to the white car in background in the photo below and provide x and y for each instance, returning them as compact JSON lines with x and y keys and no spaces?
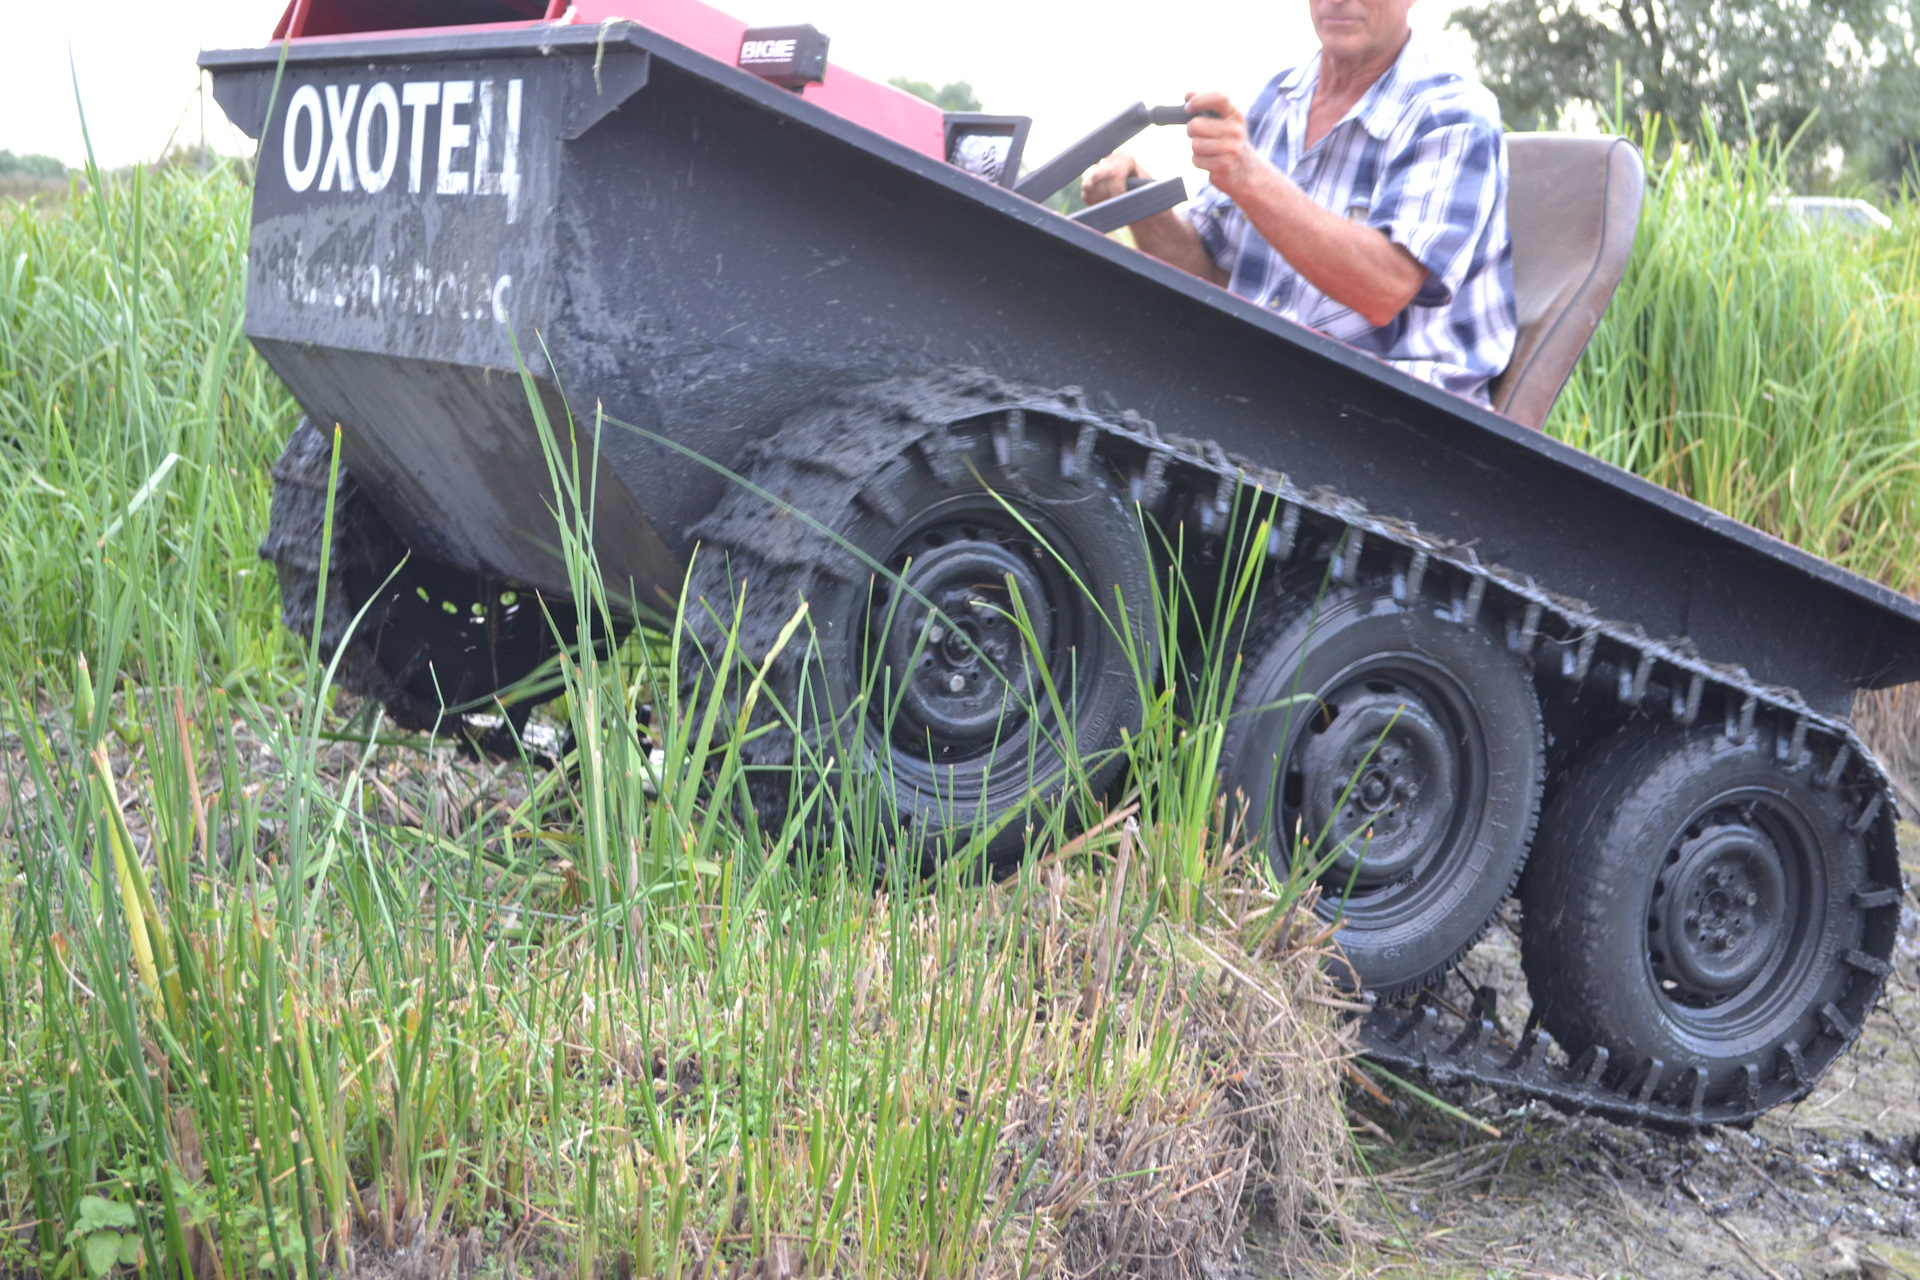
{"x":1837,"y":211}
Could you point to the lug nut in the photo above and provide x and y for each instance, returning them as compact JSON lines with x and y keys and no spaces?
{"x":935,"y":633}
{"x":956,"y":682}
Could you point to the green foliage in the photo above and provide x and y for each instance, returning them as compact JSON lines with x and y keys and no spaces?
{"x":1768,"y":369}
{"x":958,"y":96}
{"x":103,"y":1232}
{"x":30,"y":166}
{"x":131,"y":405}
{"x":1835,"y":71}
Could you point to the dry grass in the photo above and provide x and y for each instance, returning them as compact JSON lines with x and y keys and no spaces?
{"x":1889,"y":720}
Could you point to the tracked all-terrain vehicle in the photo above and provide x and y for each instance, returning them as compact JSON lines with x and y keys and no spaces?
{"x":954,"y":408}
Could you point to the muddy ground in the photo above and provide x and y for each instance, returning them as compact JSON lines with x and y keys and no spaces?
{"x":1829,"y":1188}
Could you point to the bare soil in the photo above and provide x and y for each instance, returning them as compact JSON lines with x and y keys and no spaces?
{"x":1829,"y":1188}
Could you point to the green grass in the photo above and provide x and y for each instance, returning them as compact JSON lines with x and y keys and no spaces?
{"x":120,"y":348}
{"x":1768,"y":370}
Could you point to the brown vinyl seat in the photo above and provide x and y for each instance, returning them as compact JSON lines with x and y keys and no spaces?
{"x":1573,"y":205}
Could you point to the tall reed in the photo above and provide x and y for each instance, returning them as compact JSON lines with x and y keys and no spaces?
{"x":1769,"y":369}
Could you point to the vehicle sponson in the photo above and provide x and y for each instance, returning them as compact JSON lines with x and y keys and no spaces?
{"x":705,"y":255}
{"x":719,"y":278}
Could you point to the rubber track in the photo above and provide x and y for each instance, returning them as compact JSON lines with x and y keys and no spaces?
{"x":362,"y":540}
{"x":1177,"y":478}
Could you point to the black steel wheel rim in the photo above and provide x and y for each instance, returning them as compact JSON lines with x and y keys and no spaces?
{"x":974,"y":607}
{"x":1391,"y":761}
{"x":1737,"y":893}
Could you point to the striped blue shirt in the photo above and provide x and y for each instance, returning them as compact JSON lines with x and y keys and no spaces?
{"x":1422,"y":158}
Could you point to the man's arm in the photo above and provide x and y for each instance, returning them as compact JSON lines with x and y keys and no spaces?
{"x":1351,"y":263}
{"x":1166,"y":236}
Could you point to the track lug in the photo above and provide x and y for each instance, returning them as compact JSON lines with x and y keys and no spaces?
{"x":1590,"y":1066}
{"x":1529,"y":1058}
{"x":881,"y":501}
{"x":1078,"y":464}
{"x":1873,"y":897}
{"x":1854,"y":958}
{"x":1695,"y":1088}
{"x":1867,"y":815}
{"x":1750,"y":1085}
{"x":1152,"y":481}
{"x":1280,"y":539}
{"x":1687,"y":709}
{"x":1633,"y":684}
{"x":1476,"y":1032}
{"x":1575,"y":663}
{"x":1522,"y":640}
{"x":1643,"y":1080}
{"x":1347,"y":567}
{"x":1418,"y":1029}
{"x":1796,"y":747}
{"x":1468,"y":611}
{"x":1796,"y":1065}
{"x":1223,"y":495}
{"x":1831,"y":775}
{"x":1008,"y":433}
{"x":937,"y":448}
{"x":1748,"y":706}
{"x":1416,"y":575}
{"x":1836,"y":1022}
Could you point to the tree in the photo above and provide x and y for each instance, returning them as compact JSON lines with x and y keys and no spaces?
{"x":30,"y":166}
{"x":1842,"y":70}
{"x":958,"y":96}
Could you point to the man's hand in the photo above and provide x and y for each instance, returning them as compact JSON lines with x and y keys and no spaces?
{"x":1354,"y":264}
{"x":1167,"y":236}
{"x":1221,"y":146}
{"x":1109,"y":178}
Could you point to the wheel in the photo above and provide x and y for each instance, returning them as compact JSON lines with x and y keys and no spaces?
{"x":1413,"y":740}
{"x":1691,"y":906}
{"x":918,"y":676}
{"x":435,"y":640}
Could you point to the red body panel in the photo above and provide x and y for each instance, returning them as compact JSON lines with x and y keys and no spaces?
{"x":879,"y":107}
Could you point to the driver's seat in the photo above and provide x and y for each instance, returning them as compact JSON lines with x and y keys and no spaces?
{"x":1573,"y":205}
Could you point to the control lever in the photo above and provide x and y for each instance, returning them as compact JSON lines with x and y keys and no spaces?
{"x":1096,"y":146}
{"x":1144,"y":198}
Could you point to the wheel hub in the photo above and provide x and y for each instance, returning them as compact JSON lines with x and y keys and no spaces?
{"x":1719,"y":908}
{"x":955,"y":651}
{"x":1378,"y":774}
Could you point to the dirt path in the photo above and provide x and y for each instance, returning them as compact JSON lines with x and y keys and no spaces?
{"x":1827,"y":1189}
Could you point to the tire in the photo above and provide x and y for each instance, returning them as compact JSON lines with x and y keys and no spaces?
{"x":1358,"y":714}
{"x":435,"y":640}
{"x":914,"y":703}
{"x":1691,"y":908}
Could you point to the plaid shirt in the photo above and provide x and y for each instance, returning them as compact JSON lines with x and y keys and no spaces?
{"x":1421,"y":157}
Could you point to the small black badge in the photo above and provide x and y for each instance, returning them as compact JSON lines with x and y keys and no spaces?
{"x":788,"y":56}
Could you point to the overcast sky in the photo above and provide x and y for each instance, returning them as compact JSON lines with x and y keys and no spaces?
{"x":1068,"y":65}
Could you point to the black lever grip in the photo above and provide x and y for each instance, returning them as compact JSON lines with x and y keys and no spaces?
{"x":1178,"y":115}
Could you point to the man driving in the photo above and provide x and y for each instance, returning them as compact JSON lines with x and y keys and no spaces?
{"x":1364,"y":194}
